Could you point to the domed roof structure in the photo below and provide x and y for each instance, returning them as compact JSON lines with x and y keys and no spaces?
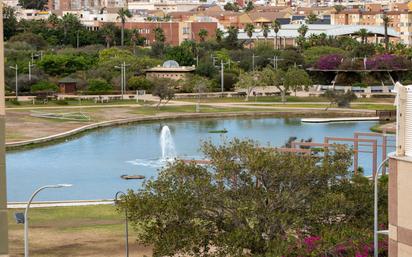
{"x":170,"y":64}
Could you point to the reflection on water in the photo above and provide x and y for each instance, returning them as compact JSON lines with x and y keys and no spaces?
{"x":94,"y":162}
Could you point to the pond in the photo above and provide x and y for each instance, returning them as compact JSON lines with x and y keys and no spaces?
{"x":94,"y":162}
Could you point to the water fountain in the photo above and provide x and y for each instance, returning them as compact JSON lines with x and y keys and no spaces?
{"x":167,"y":144}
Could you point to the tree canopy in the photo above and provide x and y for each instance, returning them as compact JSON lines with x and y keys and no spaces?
{"x":255,"y":201}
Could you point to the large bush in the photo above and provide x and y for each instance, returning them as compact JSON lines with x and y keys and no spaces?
{"x":329,"y":62}
{"x":44,"y":86}
{"x":313,"y":54}
{"x":99,"y":85}
{"x":253,"y":201}
{"x":139,"y":83}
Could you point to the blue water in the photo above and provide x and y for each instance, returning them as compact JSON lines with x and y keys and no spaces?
{"x":93,"y":163}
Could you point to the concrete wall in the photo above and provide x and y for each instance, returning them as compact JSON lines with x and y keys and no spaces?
{"x":400,"y":207}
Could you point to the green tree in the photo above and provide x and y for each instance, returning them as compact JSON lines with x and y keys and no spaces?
{"x":231,"y":7}
{"x":254,"y":200}
{"x":363,"y":34}
{"x":312,"y":18}
{"x":164,"y":89}
{"x":386,"y":20}
{"x":32,"y":39}
{"x":302,"y":30}
{"x":272,"y":77}
{"x":341,"y":99}
{"x":297,"y":79}
{"x":43,"y":86}
{"x":290,"y":58}
{"x":159,"y":35}
{"x":55,"y":65}
{"x":9,"y":22}
{"x":99,"y":86}
{"x":249,"y":81}
{"x":139,"y":83}
{"x":219,"y":35}
{"x":276,"y":26}
{"x":249,"y":29}
{"x":33,"y":4}
{"x":265,"y":31}
{"x":203,"y":34}
{"x":301,"y":39}
{"x":108,"y":32}
{"x":180,"y":54}
{"x":339,"y":8}
{"x":249,"y":6}
{"x":123,"y":15}
{"x":313,"y":54}
{"x":136,"y":39}
{"x":231,"y":39}
{"x":70,"y":24}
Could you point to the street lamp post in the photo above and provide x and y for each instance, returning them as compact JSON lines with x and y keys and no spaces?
{"x":31,"y":65}
{"x":253,"y":61}
{"x":375,"y":210}
{"x":116,"y":197}
{"x":26,"y":214}
{"x":222,"y":73}
{"x":122,"y":68}
{"x":126,"y":224}
{"x":16,"y":68}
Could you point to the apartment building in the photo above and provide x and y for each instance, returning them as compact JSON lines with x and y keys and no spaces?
{"x":175,"y":32}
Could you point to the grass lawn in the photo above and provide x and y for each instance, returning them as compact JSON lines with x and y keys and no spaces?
{"x":354,"y":105}
{"x":264,"y":99}
{"x":10,"y":104}
{"x":74,"y":231}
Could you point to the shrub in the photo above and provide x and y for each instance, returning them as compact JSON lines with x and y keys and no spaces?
{"x":139,"y":83}
{"x":62,"y":102}
{"x":329,"y":62}
{"x":343,"y":100}
{"x":99,"y":85}
{"x":44,"y":86}
{"x":387,"y":61}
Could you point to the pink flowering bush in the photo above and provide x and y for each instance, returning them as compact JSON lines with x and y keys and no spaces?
{"x":387,"y":61}
{"x":329,"y":62}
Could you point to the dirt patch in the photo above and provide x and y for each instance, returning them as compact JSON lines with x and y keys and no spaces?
{"x":47,"y":243}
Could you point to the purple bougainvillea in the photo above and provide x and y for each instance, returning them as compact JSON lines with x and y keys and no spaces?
{"x":329,"y":62}
{"x":386,"y":62}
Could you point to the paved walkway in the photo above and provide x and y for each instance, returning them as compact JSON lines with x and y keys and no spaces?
{"x":22,"y":205}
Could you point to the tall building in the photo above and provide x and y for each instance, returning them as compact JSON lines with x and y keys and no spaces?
{"x":400,"y":180}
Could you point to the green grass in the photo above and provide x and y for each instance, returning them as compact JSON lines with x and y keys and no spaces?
{"x":148,"y":110}
{"x":263,"y":99}
{"x":257,"y":99}
{"x":366,"y":106}
{"x":73,"y":218}
{"x":84,"y":103}
{"x":373,"y":106}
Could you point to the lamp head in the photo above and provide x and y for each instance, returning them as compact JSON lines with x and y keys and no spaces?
{"x":62,"y":185}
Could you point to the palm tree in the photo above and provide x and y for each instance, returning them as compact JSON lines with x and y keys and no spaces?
{"x":311,"y":18}
{"x":301,"y":39}
{"x":53,"y":20}
{"x":108,"y":34}
{"x":134,"y":38}
{"x":202,"y":34}
{"x":266,"y":31}
{"x":363,"y":33}
{"x":69,"y":21}
{"x":159,"y":35}
{"x":276,"y":27}
{"x":386,"y":21}
{"x":123,"y":14}
{"x":249,"y":29}
{"x":219,"y":35}
{"x":302,"y":30}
